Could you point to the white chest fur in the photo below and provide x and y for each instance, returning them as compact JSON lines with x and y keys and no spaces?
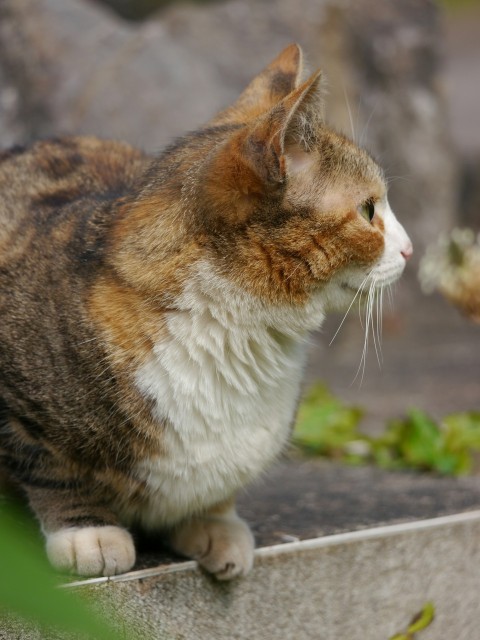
{"x":225,"y":382}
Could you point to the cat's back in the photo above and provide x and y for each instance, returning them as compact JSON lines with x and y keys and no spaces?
{"x":58,"y":202}
{"x":39,"y":181}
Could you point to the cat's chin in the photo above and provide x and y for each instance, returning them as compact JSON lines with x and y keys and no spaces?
{"x":382,"y":275}
{"x":349,"y":288}
{"x":338,"y":296}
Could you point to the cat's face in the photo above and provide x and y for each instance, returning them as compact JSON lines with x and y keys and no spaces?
{"x":358,"y":240}
{"x":272,"y":201}
{"x":294,"y":208}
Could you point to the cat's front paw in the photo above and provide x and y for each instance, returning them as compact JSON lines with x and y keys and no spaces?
{"x":91,"y":551}
{"x":221,"y":545}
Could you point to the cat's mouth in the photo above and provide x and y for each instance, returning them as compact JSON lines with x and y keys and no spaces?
{"x":375,"y":280}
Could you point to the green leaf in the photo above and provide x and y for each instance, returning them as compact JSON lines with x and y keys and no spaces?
{"x":327,"y":427}
{"x":423,"y":619}
{"x":324,"y":424}
{"x":29,"y":589}
{"x":420,"y":443}
{"x":421,"y":440}
{"x":419,"y":622}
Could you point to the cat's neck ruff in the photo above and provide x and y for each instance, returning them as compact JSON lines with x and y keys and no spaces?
{"x":225,"y":383}
{"x":236,"y":310}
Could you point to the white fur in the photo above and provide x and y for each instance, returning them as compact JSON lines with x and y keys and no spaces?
{"x":339,"y":292}
{"x":91,"y":551}
{"x":226,"y":381}
{"x":392,"y":263}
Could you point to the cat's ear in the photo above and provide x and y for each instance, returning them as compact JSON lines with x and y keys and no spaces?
{"x":270,"y":86}
{"x":280,"y":141}
{"x":255,"y":161}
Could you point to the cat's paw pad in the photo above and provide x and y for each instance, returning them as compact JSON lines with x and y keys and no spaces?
{"x":91,"y":551}
{"x":222,"y":546}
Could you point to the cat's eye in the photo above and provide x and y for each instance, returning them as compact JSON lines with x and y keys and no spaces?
{"x":367,"y":210}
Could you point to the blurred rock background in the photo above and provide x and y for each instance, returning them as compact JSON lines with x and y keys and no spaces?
{"x":403,"y":80}
{"x":76,"y":66}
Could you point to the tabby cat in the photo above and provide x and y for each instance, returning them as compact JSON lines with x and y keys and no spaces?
{"x":154,"y":312}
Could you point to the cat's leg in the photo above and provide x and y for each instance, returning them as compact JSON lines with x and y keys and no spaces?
{"x":220,"y":541}
{"x":82,"y":534}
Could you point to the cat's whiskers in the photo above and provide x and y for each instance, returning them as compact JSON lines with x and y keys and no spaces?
{"x":391,"y":179}
{"x":347,"y":102}
{"x":372,"y":304}
{"x":381,"y":309}
{"x":365,"y":127}
{"x":363,"y":359}
{"x":375,"y":325}
{"x":379,"y":320}
{"x":359,"y":290}
{"x":390,"y":296}
{"x":369,"y":323}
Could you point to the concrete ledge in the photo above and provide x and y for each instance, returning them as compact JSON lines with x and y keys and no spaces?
{"x":373,"y":547}
{"x":363,"y":584}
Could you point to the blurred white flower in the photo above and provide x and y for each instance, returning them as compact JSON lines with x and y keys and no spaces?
{"x":452,"y":266}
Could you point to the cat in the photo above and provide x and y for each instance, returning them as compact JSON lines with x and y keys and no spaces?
{"x":155,"y":313}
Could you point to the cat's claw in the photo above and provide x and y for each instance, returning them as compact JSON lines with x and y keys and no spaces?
{"x":91,"y":551}
{"x":222,"y":546}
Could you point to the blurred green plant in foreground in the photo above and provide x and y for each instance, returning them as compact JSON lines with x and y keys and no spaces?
{"x":29,"y":589}
{"x":327,"y":427}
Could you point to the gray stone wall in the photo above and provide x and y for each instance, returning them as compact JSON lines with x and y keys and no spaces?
{"x":73,"y":66}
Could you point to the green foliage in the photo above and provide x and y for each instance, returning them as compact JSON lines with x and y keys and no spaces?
{"x":453,"y":5}
{"x":327,"y":427}
{"x":29,"y":589}
{"x":420,"y":443}
{"x":420,"y":621}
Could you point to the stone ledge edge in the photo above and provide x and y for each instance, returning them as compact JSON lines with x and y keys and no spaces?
{"x":347,"y":537}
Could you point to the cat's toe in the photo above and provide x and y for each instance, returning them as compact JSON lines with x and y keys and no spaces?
{"x":222,"y":546}
{"x":231,"y":562}
{"x":91,"y":551}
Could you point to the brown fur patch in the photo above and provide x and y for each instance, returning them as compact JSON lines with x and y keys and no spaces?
{"x":129,"y":323}
{"x":152,"y":250}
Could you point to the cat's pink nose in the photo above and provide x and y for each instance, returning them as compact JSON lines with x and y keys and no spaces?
{"x":407,"y":251}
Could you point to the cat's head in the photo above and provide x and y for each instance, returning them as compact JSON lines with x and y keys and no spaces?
{"x":279,"y":204}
